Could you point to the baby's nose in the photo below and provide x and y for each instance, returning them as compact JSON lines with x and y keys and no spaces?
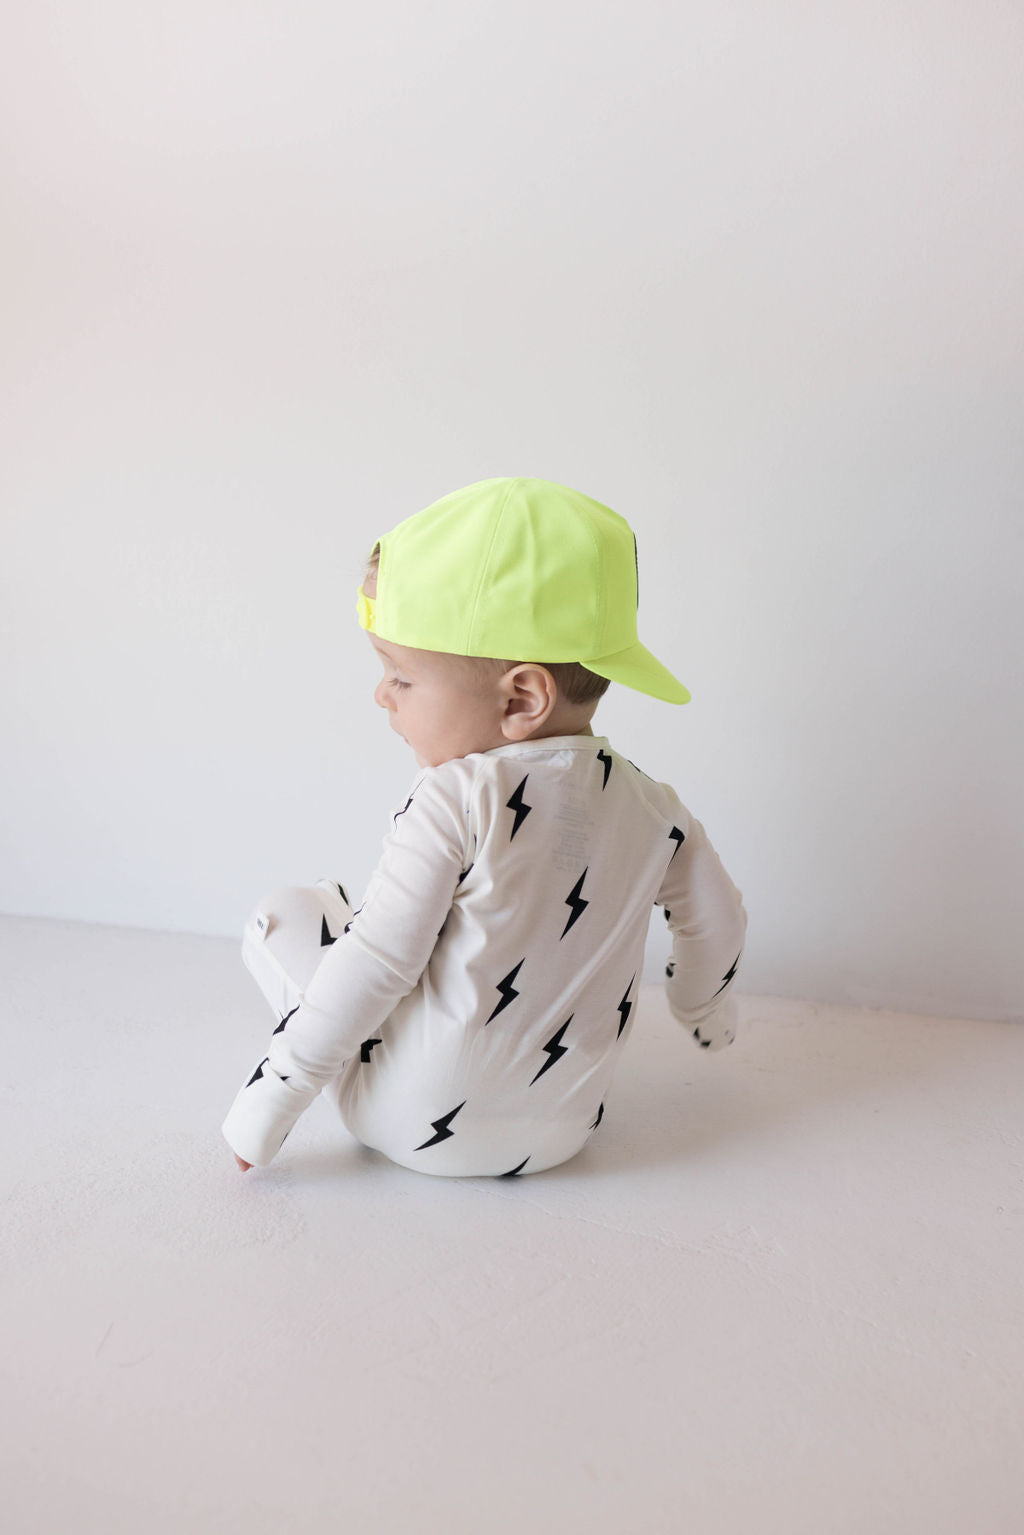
{"x":381,"y":695}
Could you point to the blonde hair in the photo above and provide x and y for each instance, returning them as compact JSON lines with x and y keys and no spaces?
{"x":574,"y":681}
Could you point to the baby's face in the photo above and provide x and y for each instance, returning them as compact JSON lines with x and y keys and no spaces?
{"x":437,"y":703}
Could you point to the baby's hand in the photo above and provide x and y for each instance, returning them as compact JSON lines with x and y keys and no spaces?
{"x":244,"y":1166}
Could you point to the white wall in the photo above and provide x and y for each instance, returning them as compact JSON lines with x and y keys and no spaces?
{"x":276,"y":275}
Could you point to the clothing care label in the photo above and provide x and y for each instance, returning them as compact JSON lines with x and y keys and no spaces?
{"x":574,"y":823}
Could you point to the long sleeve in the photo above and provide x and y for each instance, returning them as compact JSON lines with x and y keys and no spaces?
{"x":708,"y":924}
{"x":363,"y":974}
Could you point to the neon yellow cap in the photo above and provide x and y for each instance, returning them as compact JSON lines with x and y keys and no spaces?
{"x":520,"y":569}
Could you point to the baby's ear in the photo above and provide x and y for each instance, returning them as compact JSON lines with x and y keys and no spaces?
{"x":532,"y":694}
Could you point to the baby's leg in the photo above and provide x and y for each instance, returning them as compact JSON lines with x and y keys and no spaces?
{"x":288,"y":934}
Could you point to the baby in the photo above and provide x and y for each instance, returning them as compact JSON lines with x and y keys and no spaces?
{"x":468,"y":1018}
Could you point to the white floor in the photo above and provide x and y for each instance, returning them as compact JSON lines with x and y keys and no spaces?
{"x":781,"y":1291}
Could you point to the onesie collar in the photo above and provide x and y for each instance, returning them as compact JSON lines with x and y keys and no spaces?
{"x":550,"y":744}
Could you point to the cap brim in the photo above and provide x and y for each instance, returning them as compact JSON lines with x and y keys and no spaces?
{"x":637,"y":668}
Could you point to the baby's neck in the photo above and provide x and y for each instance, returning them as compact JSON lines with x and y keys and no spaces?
{"x":562,"y":727}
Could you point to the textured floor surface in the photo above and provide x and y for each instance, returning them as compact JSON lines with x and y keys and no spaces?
{"x":780,"y":1291}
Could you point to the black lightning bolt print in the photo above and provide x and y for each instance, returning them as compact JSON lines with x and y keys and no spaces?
{"x":284,"y":1020}
{"x":441,"y":1127}
{"x":326,"y":936}
{"x":402,"y":811}
{"x":576,"y":904}
{"x":515,"y":1170}
{"x":258,"y":1073}
{"x":624,"y":1008}
{"x":366,"y":1049}
{"x":353,"y":917}
{"x":463,"y":875}
{"x":606,"y":763}
{"x":555,"y":1048}
{"x":730,"y":973}
{"x":600,"y":1116}
{"x":508,"y":991}
{"x":680,"y":838}
{"x":516,"y":804}
{"x":670,"y":968}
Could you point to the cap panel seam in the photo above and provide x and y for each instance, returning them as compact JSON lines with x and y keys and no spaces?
{"x":601,"y":582}
{"x":484,"y":565}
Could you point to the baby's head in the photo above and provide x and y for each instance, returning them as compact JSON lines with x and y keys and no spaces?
{"x":446,"y":705}
{"x":461,"y":601}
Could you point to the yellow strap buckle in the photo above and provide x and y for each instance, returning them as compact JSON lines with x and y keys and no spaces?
{"x":366,"y":608}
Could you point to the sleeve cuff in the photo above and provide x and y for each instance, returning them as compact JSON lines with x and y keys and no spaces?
{"x":263,"y":1114}
{"x":716,"y":1028}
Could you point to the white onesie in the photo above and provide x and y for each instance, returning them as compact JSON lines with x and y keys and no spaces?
{"x":469,"y":1017}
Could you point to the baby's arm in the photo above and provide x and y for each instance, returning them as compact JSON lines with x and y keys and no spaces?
{"x":348,"y":996}
{"x":362,"y":976}
{"x":708,"y":923}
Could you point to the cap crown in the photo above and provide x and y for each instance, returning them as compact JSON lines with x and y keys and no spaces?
{"x":518,"y":568}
